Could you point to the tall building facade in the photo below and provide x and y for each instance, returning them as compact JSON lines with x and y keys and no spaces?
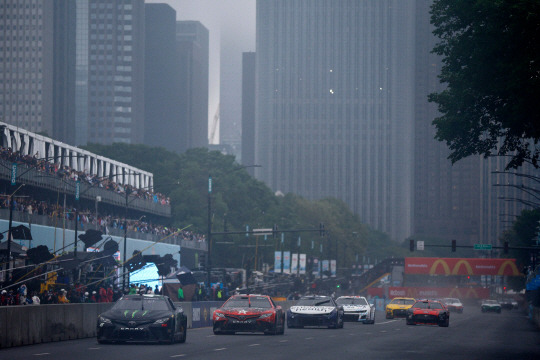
{"x":474,"y":200}
{"x":37,"y":66}
{"x":81,"y":72}
{"x":446,"y":197}
{"x":162,"y":120}
{"x":192,"y":43}
{"x":230,"y":95}
{"x":248,"y":110}
{"x":115,"y":71}
{"x":335,"y":104}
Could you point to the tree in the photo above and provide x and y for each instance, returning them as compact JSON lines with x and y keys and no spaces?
{"x":491,"y":68}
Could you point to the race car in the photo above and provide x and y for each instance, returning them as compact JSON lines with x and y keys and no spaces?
{"x":491,"y":306}
{"x":398,"y":307}
{"x":357,"y":308}
{"x":315,"y":310}
{"x":428,"y":312}
{"x":453,"y":304}
{"x":508,"y":303}
{"x":249,"y":313}
{"x":142,"y":318}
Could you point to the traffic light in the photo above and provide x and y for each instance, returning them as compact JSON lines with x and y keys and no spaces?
{"x":453,"y":245}
{"x":321,"y":229}
{"x":506,"y":247}
{"x":411,"y":245}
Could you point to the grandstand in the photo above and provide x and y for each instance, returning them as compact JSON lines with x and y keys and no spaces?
{"x":110,"y":193}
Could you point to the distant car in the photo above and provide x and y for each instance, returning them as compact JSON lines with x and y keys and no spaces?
{"x":357,"y":308}
{"x":491,"y":306}
{"x":142,"y":318}
{"x":398,"y":307}
{"x":508,"y":303}
{"x":453,"y":304}
{"x":249,"y":313}
{"x":315,"y":311}
{"x":428,"y":312}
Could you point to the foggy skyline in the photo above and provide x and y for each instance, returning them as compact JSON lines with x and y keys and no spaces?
{"x":231,"y":26}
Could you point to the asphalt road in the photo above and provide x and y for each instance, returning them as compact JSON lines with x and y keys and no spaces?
{"x":471,"y":335}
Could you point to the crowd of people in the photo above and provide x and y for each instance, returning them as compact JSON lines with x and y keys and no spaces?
{"x":78,"y":294}
{"x":67,"y":172}
{"x":88,"y":219}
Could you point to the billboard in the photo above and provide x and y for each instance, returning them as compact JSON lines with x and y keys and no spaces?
{"x":333,"y":268}
{"x":302,"y":261}
{"x":277,"y":262}
{"x":294,"y":264}
{"x":461,"y":266}
{"x":286,"y":262}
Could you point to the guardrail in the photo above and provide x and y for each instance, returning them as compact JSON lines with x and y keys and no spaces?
{"x":35,"y":324}
{"x":42,"y":180}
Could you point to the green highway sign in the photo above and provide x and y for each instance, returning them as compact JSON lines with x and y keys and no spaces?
{"x":483,"y":247}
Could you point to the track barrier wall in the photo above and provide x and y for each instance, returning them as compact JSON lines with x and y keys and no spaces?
{"x":34,"y":324}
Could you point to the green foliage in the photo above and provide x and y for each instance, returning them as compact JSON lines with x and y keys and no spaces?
{"x":523,"y":233}
{"x":237,"y":200}
{"x":491,"y":56}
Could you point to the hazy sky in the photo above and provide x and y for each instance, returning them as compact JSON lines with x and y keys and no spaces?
{"x":229,"y":22}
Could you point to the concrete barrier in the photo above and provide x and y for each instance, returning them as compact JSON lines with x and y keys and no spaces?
{"x":34,"y":324}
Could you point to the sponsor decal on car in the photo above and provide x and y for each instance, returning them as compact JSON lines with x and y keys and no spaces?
{"x":312,"y":309}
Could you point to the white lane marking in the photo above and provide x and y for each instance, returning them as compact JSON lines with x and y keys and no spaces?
{"x":40,"y":354}
{"x":385,"y":322}
{"x":333,"y":336}
{"x":283,"y":340}
{"x":179,"y":355}
{"x":383,"y":331}
{"x":210,"y":335}
{"x":309,"y":338}
{"x":220,"y":349}
{"x":94,"y":348}
{"x":254,"y":345}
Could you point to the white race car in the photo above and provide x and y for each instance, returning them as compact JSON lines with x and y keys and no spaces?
{"x":357,"y":308}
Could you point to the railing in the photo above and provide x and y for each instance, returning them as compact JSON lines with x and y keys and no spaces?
{"x":39,"y":179}
{"x":46,"y":220}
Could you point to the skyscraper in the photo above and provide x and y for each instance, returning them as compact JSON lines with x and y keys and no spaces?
{"x":162,"y":120}
{"x":115,"y":71}
{"x":335,"y":104}
{"x":446,"y":197}
{"x":193,"y":53}
{"x":37,"y":66}
{"x":248,"y":110}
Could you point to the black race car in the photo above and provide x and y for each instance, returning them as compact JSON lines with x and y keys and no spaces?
{"x":315,"y":310}
{"x":143,"y":318}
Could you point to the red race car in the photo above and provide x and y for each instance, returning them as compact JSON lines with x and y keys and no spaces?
{"x":249,"y":313}
{"x":428,"y":312}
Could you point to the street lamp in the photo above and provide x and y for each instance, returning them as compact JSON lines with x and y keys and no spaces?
{"x":209,"y":224}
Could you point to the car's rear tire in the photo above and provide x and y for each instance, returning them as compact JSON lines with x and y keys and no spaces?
{"x":445,"y":323}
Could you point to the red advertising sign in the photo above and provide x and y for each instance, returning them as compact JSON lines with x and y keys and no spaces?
{"x":461,"y":266}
